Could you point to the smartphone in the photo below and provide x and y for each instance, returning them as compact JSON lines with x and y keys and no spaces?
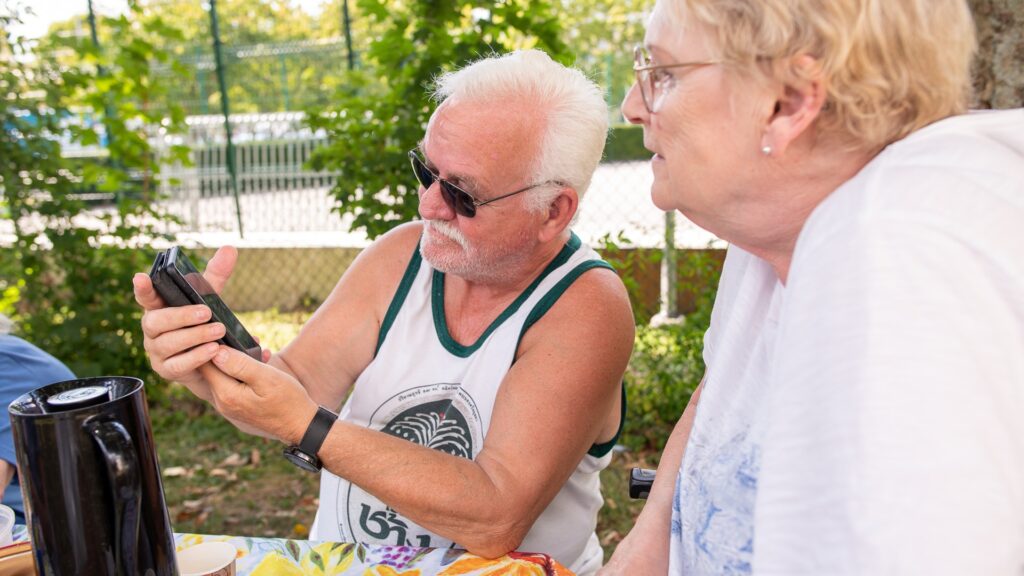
{"x":180,"y":283}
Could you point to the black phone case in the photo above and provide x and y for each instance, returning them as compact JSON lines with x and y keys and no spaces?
{"x":164,"y":286}
{"x":175,"y":291}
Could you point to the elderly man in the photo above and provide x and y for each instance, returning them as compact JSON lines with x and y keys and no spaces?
{"x":483,"y":347}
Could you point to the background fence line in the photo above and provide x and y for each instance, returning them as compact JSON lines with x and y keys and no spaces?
{"x":280,"y":194}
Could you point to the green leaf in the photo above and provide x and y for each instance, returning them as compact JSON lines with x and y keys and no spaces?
{"x":293,"y":549}
{"x":316,"y":559}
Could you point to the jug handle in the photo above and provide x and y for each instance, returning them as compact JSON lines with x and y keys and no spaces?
{"x":123,"y":474}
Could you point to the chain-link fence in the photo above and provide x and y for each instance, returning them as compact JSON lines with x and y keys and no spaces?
{"x":284,"y":208}
{"x":262,"y":77}
{"x":283,"y":204}
{"x":282,"y":199}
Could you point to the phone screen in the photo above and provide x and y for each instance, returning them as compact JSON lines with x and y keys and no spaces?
{"x":221,"y":312}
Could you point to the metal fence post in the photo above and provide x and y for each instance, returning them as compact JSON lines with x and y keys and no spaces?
{"x":108,"y":112}
{"x":232,"y":172}
{"x":348,"y":34}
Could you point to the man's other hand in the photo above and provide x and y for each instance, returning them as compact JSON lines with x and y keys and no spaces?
{"x":258,"y":397}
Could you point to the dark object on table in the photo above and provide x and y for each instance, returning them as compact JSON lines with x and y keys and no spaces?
{"x":640,"y":482}
{"x":93,"y":496}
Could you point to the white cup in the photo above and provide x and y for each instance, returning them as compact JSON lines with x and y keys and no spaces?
{"x":207,"y":559}
{"x":6,"y":525}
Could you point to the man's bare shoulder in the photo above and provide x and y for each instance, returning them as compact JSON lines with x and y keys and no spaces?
{"x":594,"y":312}
{"x":570,"y":363}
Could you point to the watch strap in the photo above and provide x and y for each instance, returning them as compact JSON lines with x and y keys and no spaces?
{"x":317,"y":431}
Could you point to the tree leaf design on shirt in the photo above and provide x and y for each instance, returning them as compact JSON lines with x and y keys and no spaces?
{"x":438,"y":425}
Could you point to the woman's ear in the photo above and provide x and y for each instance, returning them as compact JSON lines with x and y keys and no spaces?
{"x":560,"y":213}
{"x":798,"y":105}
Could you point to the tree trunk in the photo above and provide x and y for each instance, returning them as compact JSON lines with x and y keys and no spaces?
{"x":999,"y":67}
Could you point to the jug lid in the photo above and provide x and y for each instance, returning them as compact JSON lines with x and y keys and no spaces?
{"x":79,"y":397}
{"x":71,"y":396}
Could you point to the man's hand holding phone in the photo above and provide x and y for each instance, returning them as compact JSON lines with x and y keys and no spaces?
{"x":180,"y":339}
{"x":186,"y":343}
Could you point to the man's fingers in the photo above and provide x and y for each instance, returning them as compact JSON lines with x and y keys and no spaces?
{"x":175,"y":342}
{"x":145,"y":295}
{"x":240,"y":377}
{"x":239,"y":365}
{"x":220,"y":267}
{"x":188,"y":361}
{"x":157,"y":322}
{"x":223,"y":388}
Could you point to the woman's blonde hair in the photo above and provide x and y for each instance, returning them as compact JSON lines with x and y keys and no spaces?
{"x":891,"y":66}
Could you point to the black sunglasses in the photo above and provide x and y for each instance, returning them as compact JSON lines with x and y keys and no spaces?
{"x":458,"y":199}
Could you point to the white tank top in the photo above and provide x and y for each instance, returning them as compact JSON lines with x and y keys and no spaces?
{"x":425,"y":387}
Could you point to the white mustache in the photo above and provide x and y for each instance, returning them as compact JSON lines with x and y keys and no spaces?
{"x":447,"y":230}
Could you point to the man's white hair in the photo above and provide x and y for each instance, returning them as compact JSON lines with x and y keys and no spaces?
{"x":575,"y":117}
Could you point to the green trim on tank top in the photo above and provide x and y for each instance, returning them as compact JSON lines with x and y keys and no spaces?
{"x":599,"y":450}
{"x":437,"y":302}
{"x":545,"y":304}
{"x":396,"y":302}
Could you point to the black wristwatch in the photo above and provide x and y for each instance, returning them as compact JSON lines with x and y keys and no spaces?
{"x":304,"y":455}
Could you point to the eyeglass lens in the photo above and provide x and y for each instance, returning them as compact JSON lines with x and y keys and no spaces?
{"x":456,"y":199}
{"x":644,"y":78}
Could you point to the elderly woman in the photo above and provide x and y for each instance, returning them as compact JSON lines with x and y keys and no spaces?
{"x":863,"y":406}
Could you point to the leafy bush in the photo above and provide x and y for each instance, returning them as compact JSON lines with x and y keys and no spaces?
{"x":666,"y":367}
{"x":668,"y":362}
{"x":66,"y":278}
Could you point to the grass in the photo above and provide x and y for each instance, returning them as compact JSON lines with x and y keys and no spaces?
{"x":218,"y":480}
{"x":221,"y":481}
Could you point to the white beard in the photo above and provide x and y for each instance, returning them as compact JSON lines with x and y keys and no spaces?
{"x":444,"y":229}
{"x":464,"y":259}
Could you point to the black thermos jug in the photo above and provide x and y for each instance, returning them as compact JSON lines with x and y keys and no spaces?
{"x":87,"y":465}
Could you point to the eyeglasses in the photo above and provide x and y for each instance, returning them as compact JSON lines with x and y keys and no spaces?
{"x":653,"y":82}
{"x":458,"y":199}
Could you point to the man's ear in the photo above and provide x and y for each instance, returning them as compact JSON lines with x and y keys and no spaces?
{"x":560,"y":212}
{"x":798,"y":105}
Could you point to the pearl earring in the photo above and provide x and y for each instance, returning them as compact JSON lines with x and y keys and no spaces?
{"x":766,"y":150}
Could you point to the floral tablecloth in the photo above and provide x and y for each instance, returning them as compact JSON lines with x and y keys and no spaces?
{"x":278,"y":557}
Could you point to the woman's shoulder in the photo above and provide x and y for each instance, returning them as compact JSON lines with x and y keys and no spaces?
{"x":974,"y":143}
{"x":963,"y":176}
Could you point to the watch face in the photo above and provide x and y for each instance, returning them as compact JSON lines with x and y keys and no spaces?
{"x":301,"y":459}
